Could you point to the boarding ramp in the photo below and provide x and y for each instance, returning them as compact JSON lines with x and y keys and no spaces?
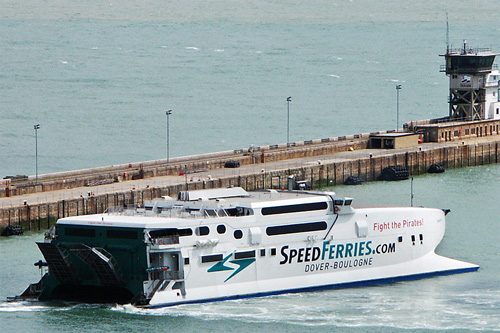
{"x":59,"y":264}
{"x":102,"y":262}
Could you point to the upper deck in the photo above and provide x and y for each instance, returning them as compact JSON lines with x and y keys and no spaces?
{"x":219,"y":203}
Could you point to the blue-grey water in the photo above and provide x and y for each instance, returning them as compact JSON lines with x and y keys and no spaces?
{"x":99,"y":76}
{"x":461,"y":302}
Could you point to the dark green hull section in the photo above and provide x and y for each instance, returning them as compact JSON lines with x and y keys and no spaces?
{"x":94,"y":265}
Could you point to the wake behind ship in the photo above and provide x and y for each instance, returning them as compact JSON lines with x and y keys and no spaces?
{"x":228,"y":243}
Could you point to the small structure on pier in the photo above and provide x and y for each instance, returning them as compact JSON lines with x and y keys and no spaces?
{"x":474,"y":99}
{"x":395,"y":140}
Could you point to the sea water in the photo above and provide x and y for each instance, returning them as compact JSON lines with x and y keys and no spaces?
{"x":99,"y":76}
{"x":456,"y":302}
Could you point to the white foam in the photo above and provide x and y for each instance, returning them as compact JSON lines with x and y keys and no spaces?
{"x":21,"y":307}
{"x":192,"y":48}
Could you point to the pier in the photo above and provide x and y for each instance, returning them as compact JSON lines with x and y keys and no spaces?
{"x":324,"y":162}
{"x":468,"y":136}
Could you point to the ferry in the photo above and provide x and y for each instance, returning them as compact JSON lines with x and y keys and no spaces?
{"x":219,"y":244}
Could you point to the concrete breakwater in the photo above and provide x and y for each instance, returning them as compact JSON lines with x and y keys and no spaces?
{"x":330,"y":170}
{"x":187,"y":164}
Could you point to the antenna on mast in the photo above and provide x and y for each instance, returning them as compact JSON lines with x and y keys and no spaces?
{"x":447,"y":35}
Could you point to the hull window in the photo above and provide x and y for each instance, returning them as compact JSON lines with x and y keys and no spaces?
{"x":295,"y":228}
{"x":121,"y":234}
{"x":294,"y":208}
{"x":211,"y":258}
{"x":202,"y":231}
{"x":79,"y":232}
{"x":244,"y":255}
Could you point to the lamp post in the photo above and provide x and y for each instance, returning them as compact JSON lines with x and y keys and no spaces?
{"x":398,"y":88}
{"x":36,"y":128}
{"x":168,"y":113}
{"x":288,"y":100}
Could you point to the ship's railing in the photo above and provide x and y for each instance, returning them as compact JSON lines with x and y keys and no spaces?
{"x":166,"y":275}
{"x":167,"y":240}
{"x":177,"y":212}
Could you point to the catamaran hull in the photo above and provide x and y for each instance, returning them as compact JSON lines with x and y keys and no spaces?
{"x":429,"y":266}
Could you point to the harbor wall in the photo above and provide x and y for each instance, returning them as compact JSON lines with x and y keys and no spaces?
{"x":188,"y":164}
{"x":39,"y":217}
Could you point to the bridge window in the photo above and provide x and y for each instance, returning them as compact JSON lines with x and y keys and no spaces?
{"x":239,"y":211}
{"x":211,"y":212}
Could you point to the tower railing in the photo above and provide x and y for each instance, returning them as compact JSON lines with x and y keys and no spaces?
{"x":466,"y":70}
{"x":470,"y":50}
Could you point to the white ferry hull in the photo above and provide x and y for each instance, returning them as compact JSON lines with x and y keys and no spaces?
{"x":222,"y":244}
{"x":430,"y":265}
{"x":398,"y":248}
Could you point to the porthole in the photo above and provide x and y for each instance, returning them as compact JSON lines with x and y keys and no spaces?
{"x":238,"y":234}
{"x":221,"y":228}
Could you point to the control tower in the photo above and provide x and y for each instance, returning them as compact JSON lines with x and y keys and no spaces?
{"x":474,"y":83}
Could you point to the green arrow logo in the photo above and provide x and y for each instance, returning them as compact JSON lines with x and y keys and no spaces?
{"x":220,"y":266}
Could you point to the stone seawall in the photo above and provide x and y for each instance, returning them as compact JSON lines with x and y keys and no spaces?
{"x":41,"y":216}
{"x":158,"y":168}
